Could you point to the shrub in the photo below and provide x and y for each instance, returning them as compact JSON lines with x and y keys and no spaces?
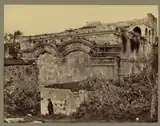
{"x":107,"y":101}
{"x":19,"y":102}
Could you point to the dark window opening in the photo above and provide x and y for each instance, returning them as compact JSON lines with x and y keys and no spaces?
{"x":149,"y":35}
{"x":137,"y":30}
{"x":133,"y":45}
{"x":124,"y":42}
{"x":146,"y":32}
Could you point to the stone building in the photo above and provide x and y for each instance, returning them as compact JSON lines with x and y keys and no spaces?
{"x":95,"y":49}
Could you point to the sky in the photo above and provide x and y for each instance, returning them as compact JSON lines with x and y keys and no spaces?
{"x":40,"y":19}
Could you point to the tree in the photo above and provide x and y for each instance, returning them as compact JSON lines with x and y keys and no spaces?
{"x":11,"y":38}
{"x":12,"y":44}
{"x":107,"y":101}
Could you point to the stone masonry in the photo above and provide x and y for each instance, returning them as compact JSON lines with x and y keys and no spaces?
{"x":94,"y":49}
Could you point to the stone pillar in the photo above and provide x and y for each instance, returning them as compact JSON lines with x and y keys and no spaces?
{"x":115,"y":67}
{"x":120,"y":71}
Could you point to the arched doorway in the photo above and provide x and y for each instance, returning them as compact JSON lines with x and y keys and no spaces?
{"x":135,"y":40}
{"x":137,"y":30}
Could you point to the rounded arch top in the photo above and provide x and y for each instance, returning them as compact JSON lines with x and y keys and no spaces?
{"x":146,"y":31}
{"x":39,"y":45}
{"x":66,"y":53}
{"x":137,"y":30}
{"x":73,"y":41}
{"x":76,"y":44}
{"x":41,"y":48}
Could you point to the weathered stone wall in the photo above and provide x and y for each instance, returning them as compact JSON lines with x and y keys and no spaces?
{"x":59,"y":97}
{"x":23,"y":76}
{"x":75,"y":67}
{"x":54,"y":70}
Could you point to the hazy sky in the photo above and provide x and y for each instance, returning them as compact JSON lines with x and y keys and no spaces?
{"x":39,"y":19}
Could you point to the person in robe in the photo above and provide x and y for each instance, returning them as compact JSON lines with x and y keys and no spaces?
{"x":50,"y":107}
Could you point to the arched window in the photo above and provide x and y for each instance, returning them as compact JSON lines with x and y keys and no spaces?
{"x":137,"y":30}
{"x":149,"y":35}
{"x":135,"y":43}
{"x":146,"y":32}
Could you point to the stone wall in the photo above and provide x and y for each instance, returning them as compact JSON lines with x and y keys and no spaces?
{"x":64,"y":100}
{"x":22,"y":74}
{"x":56,"y":70}
{"x":75,"y":67}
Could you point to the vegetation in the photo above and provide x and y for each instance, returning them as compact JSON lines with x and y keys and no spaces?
{"x":110,"y":102}
{"x":20,"y":102}
{"x":12,"y":45}
{"x":135,"y":98}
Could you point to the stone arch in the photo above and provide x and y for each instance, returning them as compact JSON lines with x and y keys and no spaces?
{"x":76,"y":45}
{"x":138,"y":30}
{"x":75,"y":50}
{"x":81,"y":41}
{"x":43,"y":44}
{"x":41,"y":52}
{"x":135,"y":40}
{"x":41,"y":48}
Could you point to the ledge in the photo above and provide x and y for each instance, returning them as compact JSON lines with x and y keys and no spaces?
{"x":10,"y":62}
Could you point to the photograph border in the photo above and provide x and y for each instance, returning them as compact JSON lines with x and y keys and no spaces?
{"x":69,"y":2}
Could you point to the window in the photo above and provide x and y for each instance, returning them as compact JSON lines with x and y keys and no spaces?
{"x":149,"y":35}
{"x":146,"y":32}
{"x":137,"y":30}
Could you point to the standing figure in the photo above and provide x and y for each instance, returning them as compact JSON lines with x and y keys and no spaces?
{"x":50,"y":107}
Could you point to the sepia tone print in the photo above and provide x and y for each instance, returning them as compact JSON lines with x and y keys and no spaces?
{"x":96,"y":72}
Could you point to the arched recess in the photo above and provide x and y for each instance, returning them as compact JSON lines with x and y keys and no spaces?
{"x":146,"y":32}
{"x":137,"y":30}
{"x":41,"y":44}
{"x":134,"y":41}
{"x":76,"y":45}
{"x":65,"y":53}
{"x":45,"y":48}
{"x":149,"y":35}
{"x":80,"y":41}
{"x":41,"y":52}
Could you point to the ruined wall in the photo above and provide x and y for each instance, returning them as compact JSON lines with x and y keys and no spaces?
{"x":23,"y":76}
{"x":57,"y":70}
{"x":75,"y":67}
{"x":64,"y":101}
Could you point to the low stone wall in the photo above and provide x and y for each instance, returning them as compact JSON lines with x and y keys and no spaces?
{"x":64,"y":100}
